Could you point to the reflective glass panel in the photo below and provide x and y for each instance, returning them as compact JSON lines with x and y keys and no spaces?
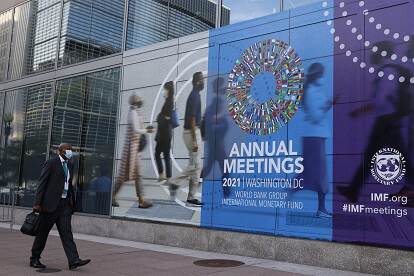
{"x":6,"y":23}
{"x":44,"y":31}
{"x":36,"y":134}
{"x":147,"y":22}
{"x":12,"y":136}
{"x":22,"y":27}
{"x":241,"y":10}
{"x":2,"y":95}
{"x":24,"y":138}
{"x":188,"y":17}
{"x":152,"y":21}
{"x":90,"y":29}
{"x":85,"y":116}
{"x":291,"y":4}
{"x":46,"y":3}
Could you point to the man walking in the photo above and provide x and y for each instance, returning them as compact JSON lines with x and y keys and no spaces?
{"x":192,"y":140}
{"x":55,"y":200}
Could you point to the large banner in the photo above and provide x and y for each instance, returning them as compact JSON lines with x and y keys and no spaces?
{"x":309,"y":124}
{"x":296,"y":124}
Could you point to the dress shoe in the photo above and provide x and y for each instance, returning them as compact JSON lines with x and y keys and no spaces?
{"x":79,"y":263}
{"x":36,"y":263}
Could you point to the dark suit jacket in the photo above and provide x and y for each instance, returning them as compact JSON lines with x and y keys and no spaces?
{"x":51,"y":185}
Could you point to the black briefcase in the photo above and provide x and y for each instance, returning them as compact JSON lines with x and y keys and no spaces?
{"x":31,"y":224}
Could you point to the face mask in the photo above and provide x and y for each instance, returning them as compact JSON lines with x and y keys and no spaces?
{"x":68,"y":154}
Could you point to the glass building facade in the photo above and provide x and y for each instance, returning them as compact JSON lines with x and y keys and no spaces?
{"x":82,"y":111}
{"x":43,"y":35}
{"x":242,"y":10}
{"x":39,"y":37}
{"x":90,"y":30}
{"x":152,"y":21}
{"x":85,"y":113}
{"x":25,"y":130}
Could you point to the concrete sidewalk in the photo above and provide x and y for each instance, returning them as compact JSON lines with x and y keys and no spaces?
{"x":119,"y":257}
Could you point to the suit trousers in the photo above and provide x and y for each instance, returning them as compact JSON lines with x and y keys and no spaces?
{"x":62,"y":217}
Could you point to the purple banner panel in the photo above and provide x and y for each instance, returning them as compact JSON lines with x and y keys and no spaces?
{"x":374,"y":123}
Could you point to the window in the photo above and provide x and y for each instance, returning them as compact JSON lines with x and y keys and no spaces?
{"x":85,"y":116}
{"x":24,"y":136}
{"x":45,"y":31}
{"x":196,"y":19}
{"x":292,"y":4}
{"x":240,"y":10}
{"x":147,"y":22}
{"x":35,"y":138}
{"x":90,"y":29}
{"x":46,"y":3}
{"x":152,"y":21}
{"x":20,"y":39}
{"x":12,"y":136}
{"x":6,"y":23}
{"x":2,"y":95}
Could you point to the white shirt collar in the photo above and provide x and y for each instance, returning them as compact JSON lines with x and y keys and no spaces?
{"x":61,"y":159}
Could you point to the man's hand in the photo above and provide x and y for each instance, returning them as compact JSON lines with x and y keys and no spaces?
{"x":37,"y":208}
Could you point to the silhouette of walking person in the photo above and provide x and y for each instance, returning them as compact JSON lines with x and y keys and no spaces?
{"x":215,"y":119}
{"x":392,"y":107}
{"x":317,"y":104}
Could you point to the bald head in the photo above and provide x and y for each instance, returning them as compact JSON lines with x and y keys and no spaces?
{"x":63,"y":148}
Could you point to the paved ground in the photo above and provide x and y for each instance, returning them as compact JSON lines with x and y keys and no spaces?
{"x":118,"y":257}
{"x":164,"y":208}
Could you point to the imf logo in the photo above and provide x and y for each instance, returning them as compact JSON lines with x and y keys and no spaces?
{"x":388,"y":166}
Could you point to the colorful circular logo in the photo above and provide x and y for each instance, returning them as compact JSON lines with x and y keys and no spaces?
{"x":266,"y":116}
{"x":388,"y":166}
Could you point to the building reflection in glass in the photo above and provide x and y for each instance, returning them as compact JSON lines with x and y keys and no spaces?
{"x":152,"y":21}
{"x":25,"y":128}
{"x":85,"y":113}
{"x":90,"y":30}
